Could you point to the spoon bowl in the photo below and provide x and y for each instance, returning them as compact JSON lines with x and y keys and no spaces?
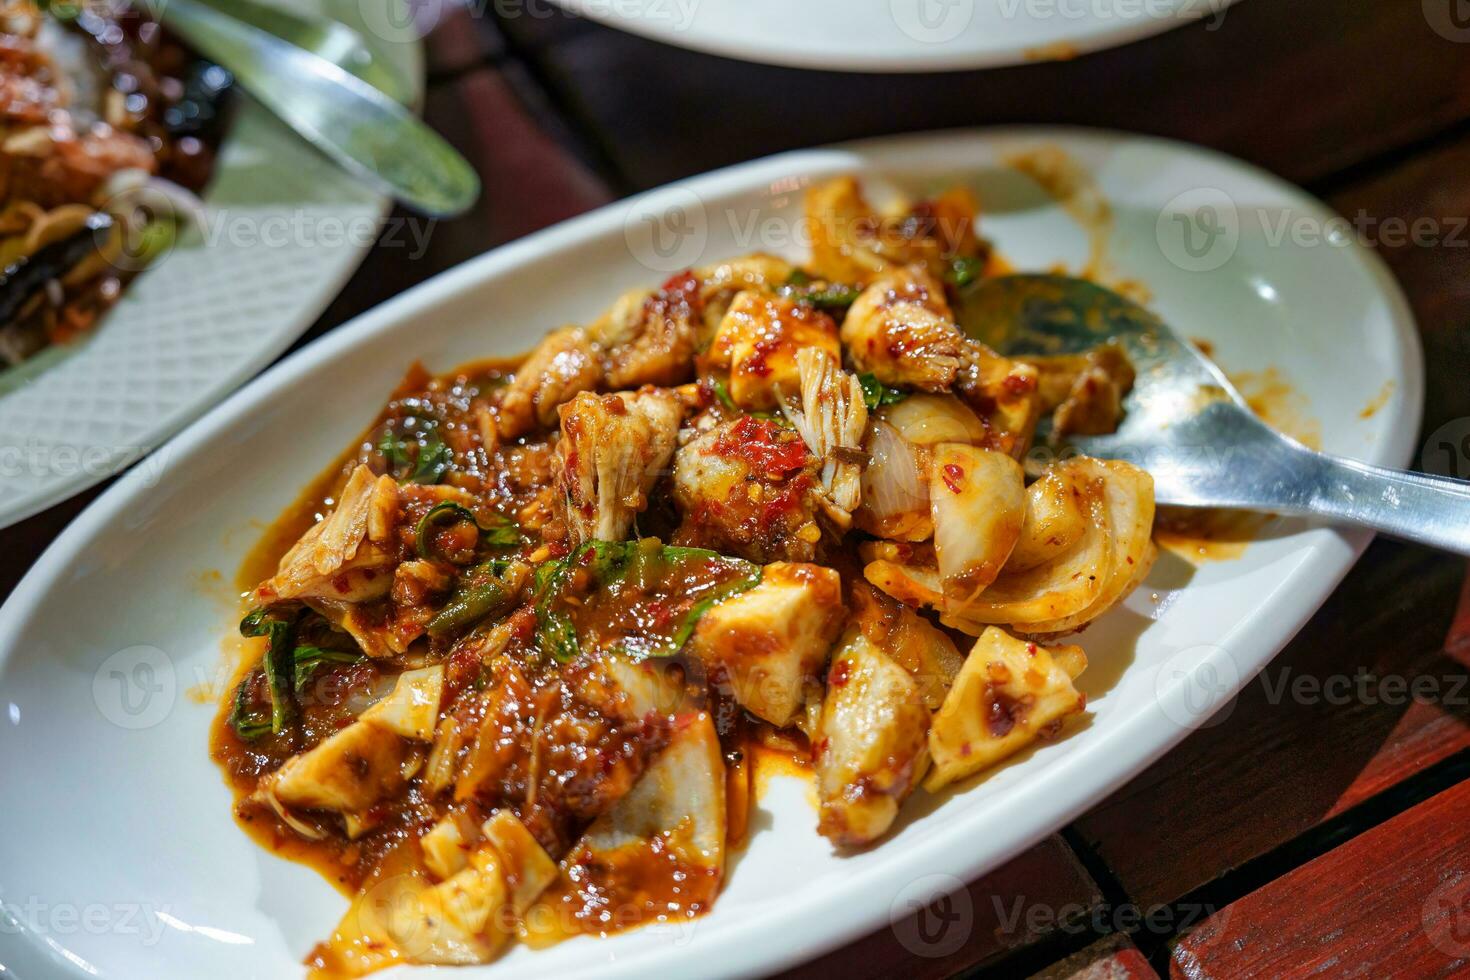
{"x":1188,"y":426}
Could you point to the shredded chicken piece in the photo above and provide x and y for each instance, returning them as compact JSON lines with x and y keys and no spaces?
{"x":901,"y":330}
{"x":334,"y":559}
{"x":832,"y":420}
{"x":613,"y":449}
{"x":563,"y":365}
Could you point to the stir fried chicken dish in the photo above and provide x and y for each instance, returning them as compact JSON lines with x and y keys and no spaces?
{"x":108,"y":126}
{"x":512,"y":662}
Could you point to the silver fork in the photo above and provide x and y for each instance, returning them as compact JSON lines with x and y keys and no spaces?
{"x":1189,"y":427}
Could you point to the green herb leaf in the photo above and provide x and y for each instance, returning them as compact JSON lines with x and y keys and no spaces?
{"x":308,"y":658}
{"x":876,"y":393}
{"x":279,"y":625}
{"x":635,"y":564}
{"x":248,"y":722}
{"x":963,"y":270}
{"x":798,"y":277}
{"x":428,"y":463}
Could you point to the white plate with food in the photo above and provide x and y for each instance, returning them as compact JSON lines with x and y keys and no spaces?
{"x":129,"y":304}
{"x":550,"y":641}
{"x":899,"y":35}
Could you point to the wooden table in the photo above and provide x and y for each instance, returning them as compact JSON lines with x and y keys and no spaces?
{"x":1295,"y":834}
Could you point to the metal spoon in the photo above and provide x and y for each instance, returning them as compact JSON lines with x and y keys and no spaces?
{"x":323,"y":36}
{"x":1189,"y":427}
{"x":363,"y":130}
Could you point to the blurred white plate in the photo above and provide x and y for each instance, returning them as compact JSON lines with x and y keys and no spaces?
{"x":284,"y":229}
{"x":898,"y":35}
{"x":111,"y":800}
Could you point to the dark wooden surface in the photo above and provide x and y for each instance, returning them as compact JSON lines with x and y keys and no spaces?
{"x":1292,"y":836}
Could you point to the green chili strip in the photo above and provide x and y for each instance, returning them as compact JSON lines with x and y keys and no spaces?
{"x":482,"y":592}
{"x":831,"y":296}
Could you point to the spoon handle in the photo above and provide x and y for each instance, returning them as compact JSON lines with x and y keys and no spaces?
{"x":1431,"y":510}
{"x":361,"y":129}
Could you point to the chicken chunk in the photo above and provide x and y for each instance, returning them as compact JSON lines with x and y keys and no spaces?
{"x":870,"y":748}
{"x":745,"y":487}
{"x":369,"y":760}
{"x":909,"y":640}
{"x":1004,"y":393}
{"x":758,"y":342}
{"x":1085,"y":390}
{"x":613,"y":449}
{"x":900,"y":330}
{"x":721,"y":282}
{"x":563,"y":365}
{"x":649,"y":338}
{"x":1008,"y":693}
{"x":771,"y":642}
{"x":566,"y":751}
{"x":667,"y":834}
{"x":337,"y":559}
{"x":851,"y":242}
{"x":832,"y":421}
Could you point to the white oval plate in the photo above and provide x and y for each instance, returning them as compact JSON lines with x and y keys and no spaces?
{"x":112,"y":803}
{"x":898,"y":35}
{"x":283,"y":230}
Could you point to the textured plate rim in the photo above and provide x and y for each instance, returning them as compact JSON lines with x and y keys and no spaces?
{"x":903,"y":59}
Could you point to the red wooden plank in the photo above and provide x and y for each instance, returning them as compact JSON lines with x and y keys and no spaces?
{"x":1393,"y":901}
{"x":1302,"y":88}
{"x":1010,"y":909}
{"x":1304,"y":741}
{"x":1113,"y":957}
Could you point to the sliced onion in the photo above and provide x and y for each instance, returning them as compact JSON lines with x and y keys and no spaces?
{"x":1054,"y":522}
{"x":978,"y":503}
{"x":895,"y":493}
{"x":926,"y":420}
{"x":1107,"y":562}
